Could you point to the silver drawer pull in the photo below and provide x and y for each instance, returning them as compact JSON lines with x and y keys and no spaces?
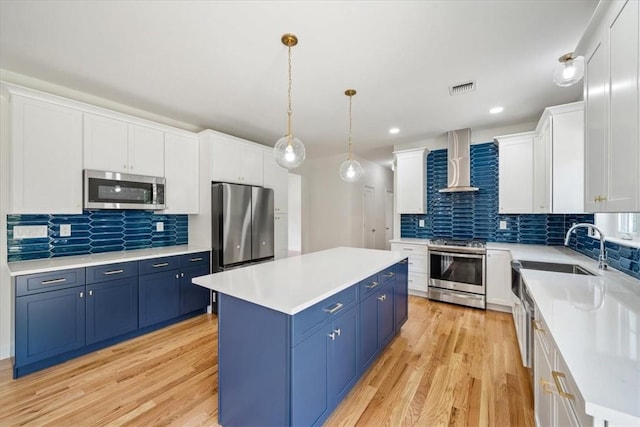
{"x":390,"y":274}
{"x":372,"y":285}
{"x":335,"y":308}
{"x":404,"y":261}
{"x":161,"y":264}
{"x":52,"y":281}
{"x":381,"y":298}
{"x":107,"y":273}
{"x":195,"y":259}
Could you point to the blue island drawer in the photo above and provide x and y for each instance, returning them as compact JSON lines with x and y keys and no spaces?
{"x":156,"y":265}
{"x":369,"y":285}
{"x":102,"y":273}
{"x":192,"y":260}
{"x":387,"y":274}
{"x":45,"y":282}
{"x":305,"y":322}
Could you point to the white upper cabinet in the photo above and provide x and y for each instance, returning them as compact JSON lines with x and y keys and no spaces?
{"x":117,"y":146}
{"x":611,"y":48}
{"x":515,"y":170}
{"x":181,"y":170}
{"x":410,"y":181}
{"x":146,"y":151}
{"x":558,"y":164}
{"x":542,"y":169}
{"x":276,"y":177}
{"x":235,"y":160}
{"x":46,"y":157}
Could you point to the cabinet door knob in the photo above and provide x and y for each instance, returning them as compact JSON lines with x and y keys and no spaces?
{"x":332,"y":335}
{"x":181,"y":274}
{"x":90,"y":293}
{"x":81,"y":294}
{"x":337,"y":331}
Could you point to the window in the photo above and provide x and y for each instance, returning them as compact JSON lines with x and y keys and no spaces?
{"x":628,"y":224}
{"x":623,"y":228}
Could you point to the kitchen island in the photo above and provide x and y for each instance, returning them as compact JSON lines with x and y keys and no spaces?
{"x":295,"y":335}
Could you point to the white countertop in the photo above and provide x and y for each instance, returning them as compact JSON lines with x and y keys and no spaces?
{"x":44,"y":265}
{"x":595,"y":323}
{"x":290,"y":285}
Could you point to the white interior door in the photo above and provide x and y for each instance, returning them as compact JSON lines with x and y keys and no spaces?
{"x":369,"y":218}
{"x":388,"y":218}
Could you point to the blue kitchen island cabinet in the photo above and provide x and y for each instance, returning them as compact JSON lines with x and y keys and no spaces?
{"x":289,"y":333}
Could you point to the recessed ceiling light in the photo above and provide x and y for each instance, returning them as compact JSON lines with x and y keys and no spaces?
{"x":394,"y":130}
{"x":496,"y":110}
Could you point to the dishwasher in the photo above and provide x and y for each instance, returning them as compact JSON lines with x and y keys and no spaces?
{"x":523,"y":312}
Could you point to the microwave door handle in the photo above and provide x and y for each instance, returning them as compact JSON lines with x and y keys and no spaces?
{"x":457,"y":255}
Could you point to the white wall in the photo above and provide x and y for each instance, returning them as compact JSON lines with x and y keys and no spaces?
{"x":332,"y":208}
{"x":294,"y":210}
{"x":6,"y":293}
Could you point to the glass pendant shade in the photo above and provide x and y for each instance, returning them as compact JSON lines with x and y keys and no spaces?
{"x":569,"y":71}
{"x":289,"y":152}
{"x":350,"y":170}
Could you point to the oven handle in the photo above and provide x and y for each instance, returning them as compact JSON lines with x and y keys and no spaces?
{"x":456,"y":254}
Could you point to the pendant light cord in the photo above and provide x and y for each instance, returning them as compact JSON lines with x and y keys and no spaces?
{"x":290,"y":110}
{"x":350,"y":121}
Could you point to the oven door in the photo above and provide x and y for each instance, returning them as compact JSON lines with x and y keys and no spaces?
{"x":457,"y":271}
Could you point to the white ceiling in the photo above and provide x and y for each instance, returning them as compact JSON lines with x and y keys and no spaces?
{"x":221,"y":65}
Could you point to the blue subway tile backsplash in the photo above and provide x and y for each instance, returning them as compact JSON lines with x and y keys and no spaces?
{"x":474,"y":215}
{"x":95,"y":232}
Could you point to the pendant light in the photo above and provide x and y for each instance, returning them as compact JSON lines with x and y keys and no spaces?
{"x":289,"y":151}
{"x":569,"y":71}
{"x":350,"y":170}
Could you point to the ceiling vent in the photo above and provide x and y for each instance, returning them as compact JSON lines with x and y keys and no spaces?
{"x":462,"y":88}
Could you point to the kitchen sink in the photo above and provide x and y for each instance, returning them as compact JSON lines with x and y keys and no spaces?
{"x":556,"y":267}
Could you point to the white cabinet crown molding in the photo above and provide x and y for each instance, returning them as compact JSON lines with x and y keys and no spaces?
{"x":13,"y":89}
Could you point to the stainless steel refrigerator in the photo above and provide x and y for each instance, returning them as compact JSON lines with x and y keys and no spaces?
{"x":242,"y":225}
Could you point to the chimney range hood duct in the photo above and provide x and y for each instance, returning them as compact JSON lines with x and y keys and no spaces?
{"x":459,"y":162}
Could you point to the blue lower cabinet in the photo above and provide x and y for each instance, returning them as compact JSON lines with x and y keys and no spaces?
{"x":377,"y":325}
{"x":158,"y":297}
{"x":63,"y":314}
{"x":343,"y":355}
{"x":401,"y":294}
{"x":111,"y":309}
{"x":193,"y":297}
{"x":282,"y":370}
{"x":49,"y":324}
{"x":324,"y":368}
{"x":309,"y":394}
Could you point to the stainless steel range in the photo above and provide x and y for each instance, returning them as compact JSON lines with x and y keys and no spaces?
{"x":457,"y":271}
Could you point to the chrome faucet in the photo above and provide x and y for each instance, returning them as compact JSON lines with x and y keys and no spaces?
{"x":602,"y":259}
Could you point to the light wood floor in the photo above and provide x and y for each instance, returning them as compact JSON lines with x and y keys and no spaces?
{"x":449,"y":366}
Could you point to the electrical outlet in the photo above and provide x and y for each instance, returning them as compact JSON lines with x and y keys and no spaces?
{"x":30,"y":231}
{"x":503,"y":225}
{"x":65,"y":230}
{"x":421,"y":223}
{"x":159,"y":226}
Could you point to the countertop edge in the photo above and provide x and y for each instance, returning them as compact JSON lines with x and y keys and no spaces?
{"x":19,"y":268}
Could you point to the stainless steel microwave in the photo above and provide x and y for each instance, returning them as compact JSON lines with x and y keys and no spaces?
{"x":115,"y":190}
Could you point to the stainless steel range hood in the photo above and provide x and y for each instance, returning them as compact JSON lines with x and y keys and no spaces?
{"x":459,"y":162}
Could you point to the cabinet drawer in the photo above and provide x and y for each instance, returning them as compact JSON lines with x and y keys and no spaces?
{"x":409,"y":249}
{"x":156,"y":265}
{"x":306,"y":321}
{"x":417,"y":281}
{"x":102,"y":273}
{"x":418,"y":263}
{"x":44,"y":282}
{"x":387,"y":274}
{"x":369,"y":285}
{"x":193,"y":260}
